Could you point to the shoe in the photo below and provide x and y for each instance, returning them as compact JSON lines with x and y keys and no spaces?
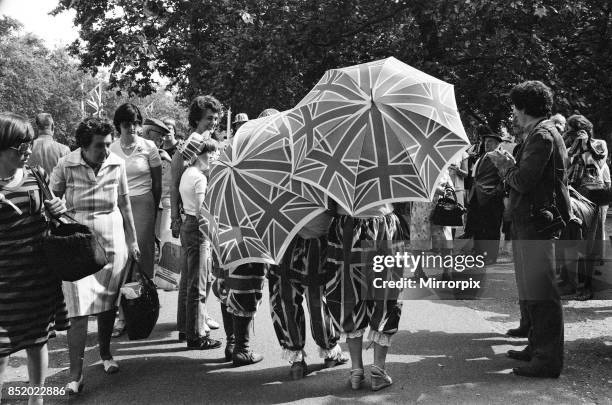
{"x":110,"y":366}
{"x":182,"y":337}
{"x":203,"y":343}
{"x":244,"y":358}
{"x":339,"y":360}
{"x":229,"y":348}
{"x":490,"y":262}
{"x":584,"y":295}
{"x":118,"y":329}
{"x":517,"y":332}
{"x":299,"y":369}
{"x":74,"y":387}
{"x":380,"y":378}
{"x":522,"y":355}
{"x":212,"y":324}
{"x":357,"y":378}
{"x":537,"y":371}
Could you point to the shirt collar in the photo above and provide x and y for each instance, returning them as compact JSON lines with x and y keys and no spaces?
{"x":74,"y":158}
{"x":532,"y":124}
{"x":45,"y":136}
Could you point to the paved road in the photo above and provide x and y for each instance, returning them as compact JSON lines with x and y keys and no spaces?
{"x":445,"y":352}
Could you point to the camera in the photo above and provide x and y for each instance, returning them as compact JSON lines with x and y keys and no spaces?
{"x":547,"y":221}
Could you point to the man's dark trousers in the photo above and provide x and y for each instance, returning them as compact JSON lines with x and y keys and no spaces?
{"x":486,"y":227}
{"x":535,"y":273}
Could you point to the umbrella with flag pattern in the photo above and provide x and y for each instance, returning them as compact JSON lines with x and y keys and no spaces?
{"x":374,"y":133}
{"x":256,"y":208}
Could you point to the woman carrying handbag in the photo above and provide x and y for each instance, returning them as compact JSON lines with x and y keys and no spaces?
{"x":32,"y":306}
{"x":94,"y":183}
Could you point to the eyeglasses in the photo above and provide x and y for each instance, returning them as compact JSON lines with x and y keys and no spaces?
{"x":23,"y":148}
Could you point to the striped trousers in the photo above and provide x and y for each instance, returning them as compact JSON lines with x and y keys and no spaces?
{"x":300,"y":275}
{"x":240,"y":288}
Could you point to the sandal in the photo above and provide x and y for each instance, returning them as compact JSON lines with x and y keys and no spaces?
{"x":110,"y":366}
{"x":74,"y":387}
{"x":380,"y":378}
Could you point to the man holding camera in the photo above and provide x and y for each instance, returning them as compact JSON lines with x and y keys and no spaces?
{"x":540,"y":207}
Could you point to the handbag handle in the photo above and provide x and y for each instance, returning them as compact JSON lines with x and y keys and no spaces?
{"x":47,"y":193}
{"x":143,"y":276}
{"x":449,"y":190}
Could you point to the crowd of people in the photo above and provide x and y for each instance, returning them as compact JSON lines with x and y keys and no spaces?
{"x":131,"y":180}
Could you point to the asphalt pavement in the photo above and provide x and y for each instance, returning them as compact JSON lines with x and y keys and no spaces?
{"x":446,"y":351}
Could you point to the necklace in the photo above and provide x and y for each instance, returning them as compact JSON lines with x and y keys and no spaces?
{"x":7,"y":178}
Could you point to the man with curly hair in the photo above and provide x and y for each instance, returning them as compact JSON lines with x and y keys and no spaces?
{"x":539,"y":203}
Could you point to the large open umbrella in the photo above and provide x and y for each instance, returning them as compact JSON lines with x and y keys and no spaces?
{"x":256,"y":207}
{"x":374,"y":133}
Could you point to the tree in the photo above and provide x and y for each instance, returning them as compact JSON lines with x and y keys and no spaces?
{"x":34,"y":79}
{"x":255,"y":54}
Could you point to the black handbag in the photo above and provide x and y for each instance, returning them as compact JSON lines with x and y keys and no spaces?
{"x":72,"y":250}
{"x":141,"y":313}
{"x":448,"y":212}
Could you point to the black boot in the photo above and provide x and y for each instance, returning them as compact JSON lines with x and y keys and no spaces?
{"x":242,"y":356}
{"x":228,"y":325}
{"x":545,"y":340}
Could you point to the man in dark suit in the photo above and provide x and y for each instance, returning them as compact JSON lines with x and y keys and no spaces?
{"x":485,"y":201}
{"x":537,"y":182}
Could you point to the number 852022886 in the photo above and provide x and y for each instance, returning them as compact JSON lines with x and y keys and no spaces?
{"x":38,"y":391}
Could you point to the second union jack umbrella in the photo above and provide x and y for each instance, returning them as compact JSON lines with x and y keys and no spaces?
{"x":375,"y":133}
{"x":256,"y":208}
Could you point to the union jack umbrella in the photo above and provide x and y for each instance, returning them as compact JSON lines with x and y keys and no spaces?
{"x":379,"y":132}
{"x":256,"y":207}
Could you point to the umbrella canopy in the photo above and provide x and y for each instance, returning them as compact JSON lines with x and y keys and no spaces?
{"x":256,"y":207}
{"x":375,"y":133}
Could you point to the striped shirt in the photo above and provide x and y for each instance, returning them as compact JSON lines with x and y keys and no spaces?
{"x":31,"y":302}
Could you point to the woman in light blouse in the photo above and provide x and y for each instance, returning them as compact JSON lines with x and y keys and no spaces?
{"x":143,"y":169}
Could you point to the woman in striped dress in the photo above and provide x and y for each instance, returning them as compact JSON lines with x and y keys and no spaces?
{"x":95,"y":185}
{"x":32,"y":306}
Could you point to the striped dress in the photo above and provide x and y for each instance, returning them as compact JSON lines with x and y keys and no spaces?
{"x":32,"y":306}
{"x":92,"y":200}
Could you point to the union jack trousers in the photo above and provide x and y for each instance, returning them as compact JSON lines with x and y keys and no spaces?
{"x":351,"y":307}
{"x":240,"y":288}
{"x":300,"y":275}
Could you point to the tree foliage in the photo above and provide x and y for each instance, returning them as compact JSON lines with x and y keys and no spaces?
{"x":34,"y":79}
{"x":255,"y":54}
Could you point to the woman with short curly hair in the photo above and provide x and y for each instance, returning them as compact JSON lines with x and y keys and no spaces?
{"x":93,"y":180}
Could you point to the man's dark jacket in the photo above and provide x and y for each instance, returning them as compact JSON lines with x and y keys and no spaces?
{"x":488,"y":185}
{"x":531,"y":181}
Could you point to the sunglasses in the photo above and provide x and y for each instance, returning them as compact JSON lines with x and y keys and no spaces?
{"x":23,"y":148}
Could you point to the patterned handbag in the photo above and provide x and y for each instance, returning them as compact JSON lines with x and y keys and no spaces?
{"x":448,"y":212}
{"x":72,"y":250}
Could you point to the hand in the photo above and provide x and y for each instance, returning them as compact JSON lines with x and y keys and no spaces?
{"x":175,"y":227}
{"x":55,"y":206}
{"x":453,"y":167}
{"x":134,"y":251}
{"x":502,"y":160}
